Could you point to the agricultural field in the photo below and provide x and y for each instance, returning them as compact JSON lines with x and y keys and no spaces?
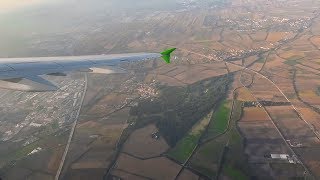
{"x":156,"y":168}
{"x":243,"y":84}
{"x":185,"y":147}
{"x":220,"y":121}
{"x":143,"y":138}
{"x":207,"y":158}
{"x":252,"y":114}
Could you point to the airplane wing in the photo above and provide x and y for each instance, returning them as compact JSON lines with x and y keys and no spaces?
{"x":15,"y":71}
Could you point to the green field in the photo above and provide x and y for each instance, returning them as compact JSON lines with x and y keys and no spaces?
{"x":207,"y":158}
{"x":219,"y":122}
{"x":234,"y":136}
{"x":46,"y":142}
{"x":261,"y":60}
{"x":293,"y":60}
{"x":185,"y":146}
{"x":234,"y":173}
{"x":235,"y":165}
{"x":295,"y":57}
{"x":20,"y":153}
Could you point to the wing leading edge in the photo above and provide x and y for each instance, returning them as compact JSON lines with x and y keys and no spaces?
{"x":29,"y":69}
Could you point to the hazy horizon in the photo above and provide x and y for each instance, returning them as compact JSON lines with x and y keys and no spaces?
{"x":24,"y":23}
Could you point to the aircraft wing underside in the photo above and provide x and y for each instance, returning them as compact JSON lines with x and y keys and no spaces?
{"x":23,"y":73}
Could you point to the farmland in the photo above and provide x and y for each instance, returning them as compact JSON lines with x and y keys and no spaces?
{"x":242,"y":85}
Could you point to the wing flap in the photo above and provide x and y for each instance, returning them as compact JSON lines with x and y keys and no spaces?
{"x":108,"y":70}
{"x":29,"y":83}
{"x":41,"y":80}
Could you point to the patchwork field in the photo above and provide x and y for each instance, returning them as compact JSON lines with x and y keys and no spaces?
{"x":156,"y":168}
{"x":143,"y":138}
{"x":243,"y":84}
{"x":253,"y":114}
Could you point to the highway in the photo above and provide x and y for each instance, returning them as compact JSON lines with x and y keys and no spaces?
{"x":65,"y":153}
{"x":293,"y":107}
{"x":275,"y":85}
{"x":263,"y":76}
{"x":276,"y":127}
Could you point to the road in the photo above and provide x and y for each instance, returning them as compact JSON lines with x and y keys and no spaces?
{"x":275,"y":85}
{"x":65,"y":153}
{"x":263,"y":76}
{"x":200,"y":142}
{"x":276,"y":127}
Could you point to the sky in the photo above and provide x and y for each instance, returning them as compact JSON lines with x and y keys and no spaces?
{"x":12,"y":5}
{"x":27,"y":22}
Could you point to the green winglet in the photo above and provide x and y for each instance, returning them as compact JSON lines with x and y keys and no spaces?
{"x":166,"y":54}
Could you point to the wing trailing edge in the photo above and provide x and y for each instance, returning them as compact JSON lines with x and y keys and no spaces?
{"x":29,"y":84}
{"x":24,"y":74}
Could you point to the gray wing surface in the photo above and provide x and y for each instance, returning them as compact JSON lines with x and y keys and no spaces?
{"x":14,"y":69}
